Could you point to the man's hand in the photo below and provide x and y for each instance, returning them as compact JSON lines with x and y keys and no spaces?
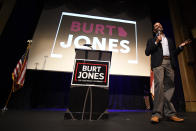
{"x":159,"y":38}
{"x":186,"y":42}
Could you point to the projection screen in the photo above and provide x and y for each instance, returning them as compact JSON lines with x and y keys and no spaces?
{"x":60,"y":31}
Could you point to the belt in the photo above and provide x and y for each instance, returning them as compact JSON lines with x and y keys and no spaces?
{"x":166,"y":57}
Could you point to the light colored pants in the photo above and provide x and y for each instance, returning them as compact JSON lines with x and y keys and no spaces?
{"x":164,"y":90}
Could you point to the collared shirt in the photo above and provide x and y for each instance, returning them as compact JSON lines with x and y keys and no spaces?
{"x":165,"y":46}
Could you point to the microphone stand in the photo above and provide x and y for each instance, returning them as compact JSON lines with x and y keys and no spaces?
{"x":88,"y":45}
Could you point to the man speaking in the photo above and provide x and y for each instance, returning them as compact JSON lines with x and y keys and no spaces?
{"x":163,"y":53}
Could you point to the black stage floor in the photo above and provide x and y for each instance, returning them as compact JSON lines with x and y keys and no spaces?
{"x":36,"y":120}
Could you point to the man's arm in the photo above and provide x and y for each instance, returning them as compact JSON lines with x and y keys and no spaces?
{"x":181,"y":47}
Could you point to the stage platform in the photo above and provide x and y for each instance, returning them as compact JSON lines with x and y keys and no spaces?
{"x":118,"y":120}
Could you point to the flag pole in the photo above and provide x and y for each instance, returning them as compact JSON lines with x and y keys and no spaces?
{"x":8,"y":99}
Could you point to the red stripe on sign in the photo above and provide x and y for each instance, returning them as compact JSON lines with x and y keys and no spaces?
{"x":76,"y":71}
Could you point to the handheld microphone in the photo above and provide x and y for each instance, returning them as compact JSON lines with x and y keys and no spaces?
{"x":158,"y":33}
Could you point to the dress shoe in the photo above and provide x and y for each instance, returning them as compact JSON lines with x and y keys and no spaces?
{"x":176,"y":119}
{"x":154,"y":119}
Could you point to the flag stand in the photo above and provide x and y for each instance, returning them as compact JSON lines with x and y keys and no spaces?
{"x":18,"y":81}
{"x":8,"y":99}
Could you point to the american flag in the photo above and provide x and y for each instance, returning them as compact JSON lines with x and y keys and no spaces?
{"x":19,"y":72}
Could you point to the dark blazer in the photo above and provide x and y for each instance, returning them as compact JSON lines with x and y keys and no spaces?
{"x":156,"y":52}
